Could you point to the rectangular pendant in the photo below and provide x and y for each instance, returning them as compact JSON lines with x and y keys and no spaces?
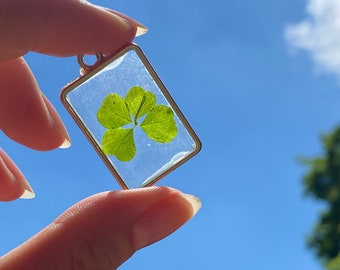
{"x":129,"y":117}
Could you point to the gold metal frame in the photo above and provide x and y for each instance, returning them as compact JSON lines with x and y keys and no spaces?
{"x":89,"y":71}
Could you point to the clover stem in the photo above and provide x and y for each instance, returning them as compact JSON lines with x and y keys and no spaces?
{"x":141,"y":105}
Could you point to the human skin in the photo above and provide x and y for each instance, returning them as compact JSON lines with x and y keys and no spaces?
{"x":101,"y":231}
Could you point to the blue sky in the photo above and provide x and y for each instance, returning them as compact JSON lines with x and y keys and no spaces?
{"x":259,"y":82}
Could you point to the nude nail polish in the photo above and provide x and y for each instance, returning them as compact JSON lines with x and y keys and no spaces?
{"x":194,"y":201}
{"x":158,"y":222}
{"x":28,"y":193}
{"x":141,"y":29}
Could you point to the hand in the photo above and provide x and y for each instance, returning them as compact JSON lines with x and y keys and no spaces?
{"x":104,"y":230}
{"x":55,"y":27}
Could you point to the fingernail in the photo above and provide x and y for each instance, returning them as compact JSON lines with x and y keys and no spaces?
{"x":163,"y":219}
{"x":62,"y":132}
{"x":194,"y":201}
{"x":141,"y":29}
{"x":65,"y":144}
{"x":28,"y":193}
{"x":16,"y":177}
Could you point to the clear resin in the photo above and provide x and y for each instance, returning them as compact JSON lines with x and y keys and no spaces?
{"x":130,"y":118}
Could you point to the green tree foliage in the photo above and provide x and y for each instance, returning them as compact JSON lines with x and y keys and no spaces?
{"x":334,"y":264}
{"x":322,"y":181}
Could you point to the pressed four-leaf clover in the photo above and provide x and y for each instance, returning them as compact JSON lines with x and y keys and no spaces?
{"x":120,"y":117}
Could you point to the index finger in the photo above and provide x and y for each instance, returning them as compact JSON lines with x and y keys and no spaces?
{"x":61,"y":28}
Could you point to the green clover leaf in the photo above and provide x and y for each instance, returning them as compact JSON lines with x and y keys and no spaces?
{"x":116,"y":112}
{"x":159,"y":125}
{"x":113,"y":113}
{"x":139,"y":101}
{"x":119,"y":142}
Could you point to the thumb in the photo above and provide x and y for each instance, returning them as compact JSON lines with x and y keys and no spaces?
{"x":103,"y":231}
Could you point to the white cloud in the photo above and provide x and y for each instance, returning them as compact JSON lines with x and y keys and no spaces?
{"x":319,"y":34}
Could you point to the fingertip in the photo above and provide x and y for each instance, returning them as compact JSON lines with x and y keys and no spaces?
{"x":62,"y":28}
{"x":26,"y":115}
{"x":13,"y":184}
{"x":84,"y":28}
{"x":105,"y":229}
{"x":64,"y":139}
{"x":141,"y":29}
{"x":163,"y":218}
{"x":28,"y":192}
{"x":194,"y":201}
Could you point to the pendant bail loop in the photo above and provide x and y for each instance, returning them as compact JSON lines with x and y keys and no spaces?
{"x":84,"y":67}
